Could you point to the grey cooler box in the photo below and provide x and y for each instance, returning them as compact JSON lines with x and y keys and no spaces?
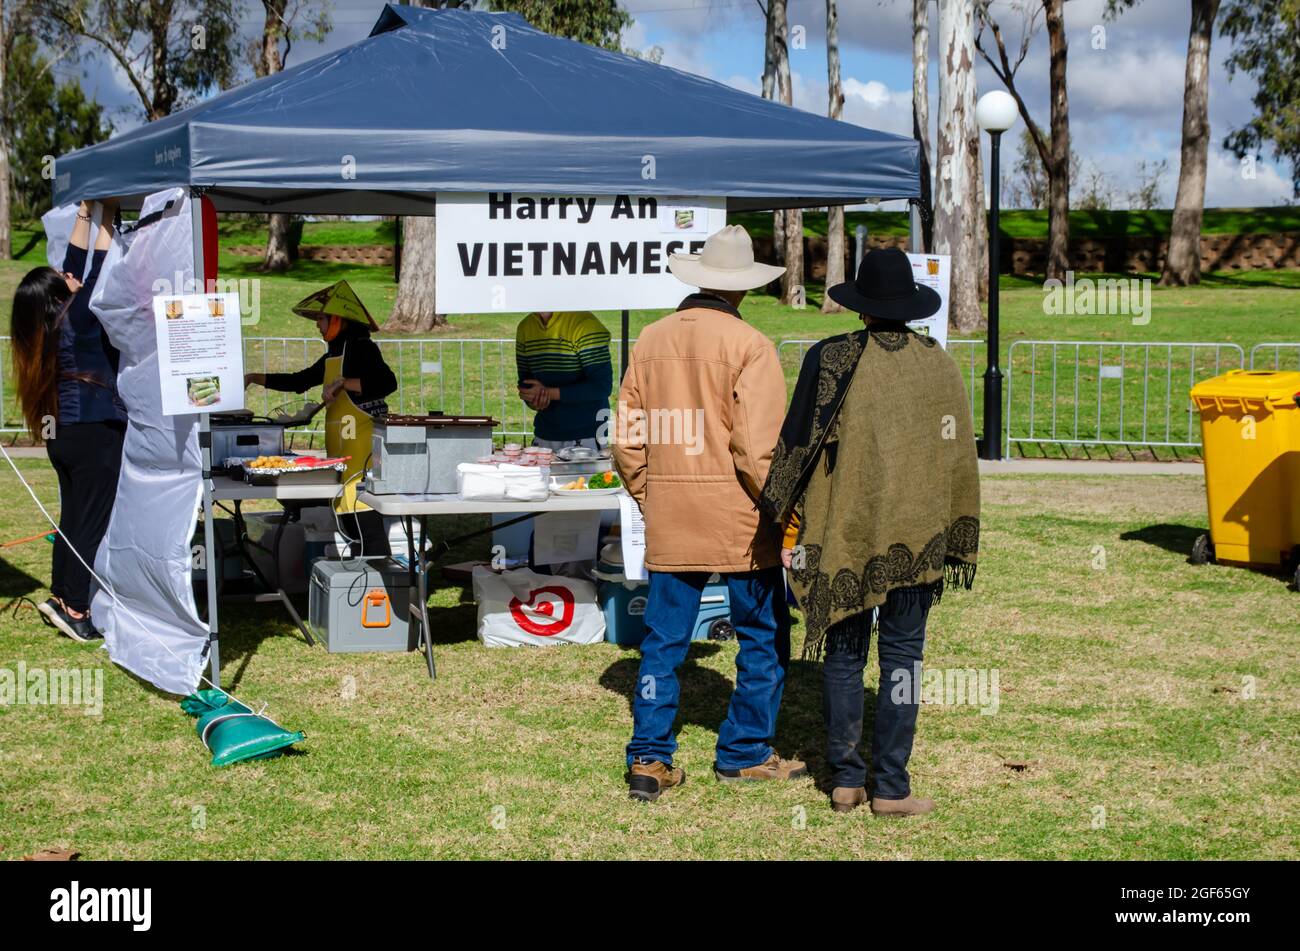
{"x":416,"y":455}
{"x":360,"y":605}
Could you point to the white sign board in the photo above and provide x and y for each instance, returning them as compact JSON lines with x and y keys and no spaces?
{"x":200,"y":353}
{"x":632,"y":531}
{"x":502,"y":252}
{"x":933,"y":270}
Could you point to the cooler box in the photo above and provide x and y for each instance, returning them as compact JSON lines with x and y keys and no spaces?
{"x":1250,"y":430}
{"x":624,"y":603}
{"x":360,"y":605}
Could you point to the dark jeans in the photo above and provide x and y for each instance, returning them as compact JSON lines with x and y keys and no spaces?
{"x":762,"y":622}
{"x":87,"y":458}
{"x":900,"y":641}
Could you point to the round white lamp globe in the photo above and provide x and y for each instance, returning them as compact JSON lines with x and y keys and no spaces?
{"x":996,"y":111}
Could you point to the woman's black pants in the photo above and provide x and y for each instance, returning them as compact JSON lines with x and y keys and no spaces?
{"x":900,"y":642}
{"x":87,"y":458}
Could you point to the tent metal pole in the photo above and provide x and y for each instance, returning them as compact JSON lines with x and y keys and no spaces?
{"x":205,"y":450}
{"x":623,"y":348}
{"x":916,"y":235}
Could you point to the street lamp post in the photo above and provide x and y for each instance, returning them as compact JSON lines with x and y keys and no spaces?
{"x":995,"y":112}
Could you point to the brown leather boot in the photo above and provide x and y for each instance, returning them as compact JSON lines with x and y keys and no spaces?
{"x":772,"y":768}
{"x":901,"y":808}
{"x":847,"y":798}
{"x":647,"y":779}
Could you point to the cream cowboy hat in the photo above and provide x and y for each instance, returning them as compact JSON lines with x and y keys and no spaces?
{"x":726,"y":263}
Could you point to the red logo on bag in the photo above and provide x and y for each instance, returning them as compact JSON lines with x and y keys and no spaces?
{"x":546,"y":608}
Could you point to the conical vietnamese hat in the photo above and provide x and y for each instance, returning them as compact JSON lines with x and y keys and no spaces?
{"x":337,"y":300}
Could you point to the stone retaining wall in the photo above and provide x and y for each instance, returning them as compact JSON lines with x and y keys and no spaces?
{"x":1123,"y":255}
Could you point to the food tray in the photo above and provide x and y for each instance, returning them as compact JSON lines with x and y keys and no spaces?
{"x":296,"y":475}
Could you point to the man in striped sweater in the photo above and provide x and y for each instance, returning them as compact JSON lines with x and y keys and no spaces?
{"x":565,"y":375}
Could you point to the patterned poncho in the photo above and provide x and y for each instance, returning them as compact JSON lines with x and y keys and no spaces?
{"x":877,"y":462}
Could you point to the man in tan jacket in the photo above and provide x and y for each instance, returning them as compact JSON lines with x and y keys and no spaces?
{"x":699,"y":413}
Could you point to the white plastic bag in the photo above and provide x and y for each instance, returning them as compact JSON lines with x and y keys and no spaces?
{"x":522,"y":607}
{"x":480,"y":482}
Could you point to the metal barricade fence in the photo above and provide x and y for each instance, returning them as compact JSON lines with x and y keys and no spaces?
{"x":965,"y":352}
{"x":1275,"y":356}
{"x":1114,"y":394}
{"x":453,"y":375}
{"x":1094,"y":393}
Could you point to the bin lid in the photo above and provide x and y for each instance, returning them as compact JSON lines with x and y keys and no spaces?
{"x":1274,"y":386}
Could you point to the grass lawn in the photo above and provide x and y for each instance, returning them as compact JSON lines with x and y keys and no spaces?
{"x":1121,"y":687}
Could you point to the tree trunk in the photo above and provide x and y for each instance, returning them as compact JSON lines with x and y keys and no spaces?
{"x":164,"y":90}
{"x":789,"y":234}
{"x":835,"y":109}
{"x":1183,"y":265}
{"x":413,"y":310}
{"x":959,"y":208}
{"x":1058,"y":172}
{"x":6,"y":237}
{"x":279,"y":253}
{"x":921,"y":112}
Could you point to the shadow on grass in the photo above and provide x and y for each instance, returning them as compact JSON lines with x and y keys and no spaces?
{"x":1175,"y":538}
{"x":706,"y":694}
{"x":16,"y":583}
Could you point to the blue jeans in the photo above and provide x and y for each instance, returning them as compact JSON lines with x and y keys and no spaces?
{"x":900,"y":642}
{"x":762,"y":622}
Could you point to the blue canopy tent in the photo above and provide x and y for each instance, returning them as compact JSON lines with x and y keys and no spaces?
{"x":462,"y":101}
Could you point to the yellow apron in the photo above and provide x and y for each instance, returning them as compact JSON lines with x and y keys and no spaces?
{"x":347,"y":433}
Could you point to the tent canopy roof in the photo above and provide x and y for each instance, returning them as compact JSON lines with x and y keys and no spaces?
{"x":465,"y":101}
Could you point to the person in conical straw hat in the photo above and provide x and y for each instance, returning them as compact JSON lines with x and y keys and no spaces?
{"x":354,"y":380}
{"x":699,"y":413}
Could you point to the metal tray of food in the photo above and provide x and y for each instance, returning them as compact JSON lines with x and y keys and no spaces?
{"x":265,"y":471}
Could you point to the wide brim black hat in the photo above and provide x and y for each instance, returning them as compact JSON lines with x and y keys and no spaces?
{"x":884,"y":289}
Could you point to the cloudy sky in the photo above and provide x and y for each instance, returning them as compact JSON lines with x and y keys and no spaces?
{"x":1125,"y":98}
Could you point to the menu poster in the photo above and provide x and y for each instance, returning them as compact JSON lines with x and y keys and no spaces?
{"x":200,"y":353}
{"x":632,"y":531}
{"x":935,"y":271}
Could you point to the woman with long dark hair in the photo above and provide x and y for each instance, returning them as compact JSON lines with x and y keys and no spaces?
{"x":66,"y":373}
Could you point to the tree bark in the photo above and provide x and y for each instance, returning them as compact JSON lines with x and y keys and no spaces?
{"x":413,"y":310}
{"x":835,"y":109}
{"x":959,"y":208}
{"x":280,"y":253}
{"x":1053,"y":152}
{"x":1183,"y":265}
{"x":921,"y":112}
{"x":164,"y":90}
{"x":1058,"y":172}
{"x":787,"y":225}
{"x":6,"y":236}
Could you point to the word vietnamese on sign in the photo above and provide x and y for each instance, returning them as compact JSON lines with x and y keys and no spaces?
{"x":200,"y":353}
{"x":499,"y":251}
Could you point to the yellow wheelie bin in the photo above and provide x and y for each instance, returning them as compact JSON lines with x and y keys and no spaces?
{"x":1250,"y":433}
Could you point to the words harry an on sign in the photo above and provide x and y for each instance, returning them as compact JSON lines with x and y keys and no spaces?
{"x":499,"y":251}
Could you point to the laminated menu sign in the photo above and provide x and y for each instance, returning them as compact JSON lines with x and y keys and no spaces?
{"x":632,"y":530}
{"x":200,"y":353}
{"x":934,"y":271}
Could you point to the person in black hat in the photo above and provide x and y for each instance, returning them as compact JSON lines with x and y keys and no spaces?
{"x":875,"y":482}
